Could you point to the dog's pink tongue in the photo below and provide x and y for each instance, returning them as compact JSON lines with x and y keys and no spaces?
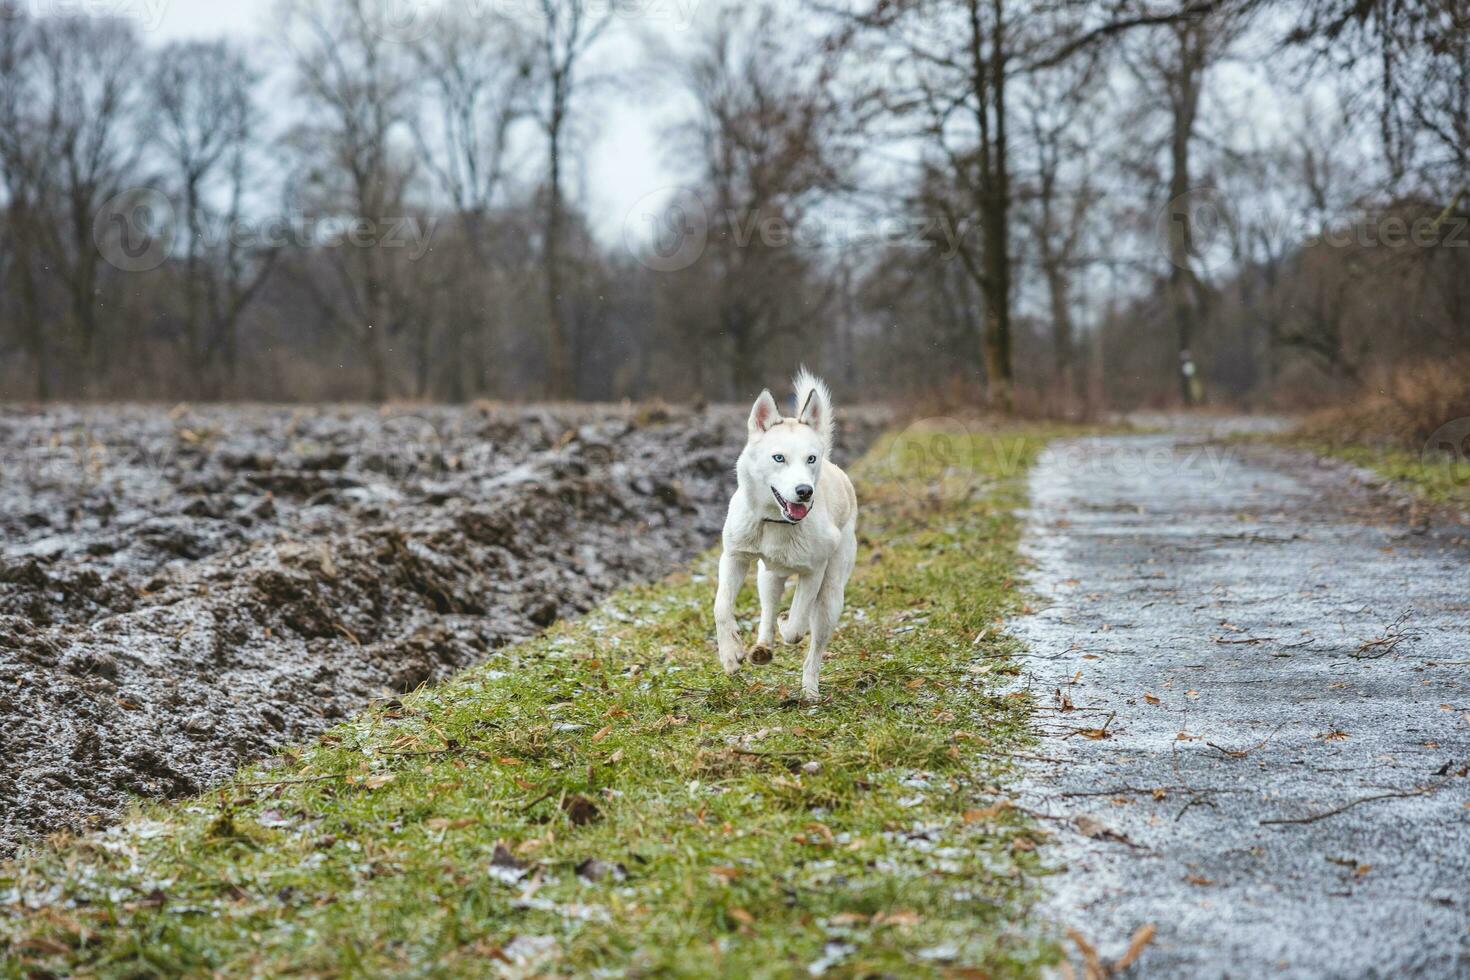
{"x":797,"y":511}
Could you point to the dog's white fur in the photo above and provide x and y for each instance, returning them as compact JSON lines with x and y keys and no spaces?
{"x":782,"y":454}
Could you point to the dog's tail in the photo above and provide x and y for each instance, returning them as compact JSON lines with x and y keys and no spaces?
{"x":814,"y":404}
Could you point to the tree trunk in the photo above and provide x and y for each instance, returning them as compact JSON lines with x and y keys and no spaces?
{"x":1181,"y":234}
{"x":558,"y":357}
{"x":35,"y":332}
{"x":997,"y":228}
{"x":1058,"y":289}
{"x":375,"y":331}
{"x":193,"y":327}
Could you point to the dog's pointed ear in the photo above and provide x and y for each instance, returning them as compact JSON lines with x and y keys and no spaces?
{"x":817,"y":413}
{"x":814,"y":404}
{"x":763,"y":414}
{"x":811,"y":411}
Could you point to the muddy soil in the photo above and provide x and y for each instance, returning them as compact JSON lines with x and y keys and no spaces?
{"x":184,"y":591}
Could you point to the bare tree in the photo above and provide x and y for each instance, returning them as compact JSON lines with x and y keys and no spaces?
{"x":948,"y":70}
{"x":204,"y":124}
{"x":567,"y":32}
{"x":477,"y":75}
{"x":1408,"y":62}
{"x":477,"y":84}
{"x":71,"y":148}
{"x":20,"y":180}
{"x":357,"y":85}
{"x":1172,"y":67}
{"x":1060,"y":122}
{"x":768,"y":140}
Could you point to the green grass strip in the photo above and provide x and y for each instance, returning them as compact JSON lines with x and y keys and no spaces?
{"x":1443,"y":481}
{"x":604,"y":801}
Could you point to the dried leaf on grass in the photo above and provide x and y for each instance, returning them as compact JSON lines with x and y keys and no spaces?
{"x":580,"y":810}
{"x":595,"y":870}
{"x":443,"y":823}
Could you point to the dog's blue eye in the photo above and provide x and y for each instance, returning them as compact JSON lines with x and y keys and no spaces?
{"x":810,"y":460}
{"x":779,"y":458}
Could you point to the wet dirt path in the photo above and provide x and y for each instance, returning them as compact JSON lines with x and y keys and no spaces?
{"x":1256,"y":691}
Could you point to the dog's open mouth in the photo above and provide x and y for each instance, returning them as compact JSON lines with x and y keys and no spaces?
{"x":793,"y":512}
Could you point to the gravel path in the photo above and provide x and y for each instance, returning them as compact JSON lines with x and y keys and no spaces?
{"x":1258,"y":683}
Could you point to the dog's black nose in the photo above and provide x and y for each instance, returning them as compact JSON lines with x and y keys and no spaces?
{"x":804,"y":492}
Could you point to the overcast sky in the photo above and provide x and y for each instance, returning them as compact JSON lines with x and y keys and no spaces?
{"x":623,"y":163}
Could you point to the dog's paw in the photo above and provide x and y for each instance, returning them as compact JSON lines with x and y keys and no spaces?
{"x":789,"y":633}
{"x":760,"y":654}
{"x":811,"y":693}
{"x":732,"y":656}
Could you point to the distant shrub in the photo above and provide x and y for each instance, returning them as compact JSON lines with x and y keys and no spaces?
{"x":1401,"y":409}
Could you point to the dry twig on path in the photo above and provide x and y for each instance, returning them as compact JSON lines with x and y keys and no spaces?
{"x":1404,"y":794}
{"x":1395,"y":634}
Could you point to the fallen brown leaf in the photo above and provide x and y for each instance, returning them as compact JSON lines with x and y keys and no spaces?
{"x":987,"y":813}
{"x":1092,"y":966}
{"x":1095,"y":829}
{"x":1141,"y":938}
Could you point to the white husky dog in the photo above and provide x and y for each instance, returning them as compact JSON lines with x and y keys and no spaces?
{"x":795,"y":513}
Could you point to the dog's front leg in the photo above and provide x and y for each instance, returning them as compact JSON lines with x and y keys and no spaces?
{"x":825,"y":613}
{"x":727,"y":633}
{"x":772,"y":587}
{"x":798,"y":622}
